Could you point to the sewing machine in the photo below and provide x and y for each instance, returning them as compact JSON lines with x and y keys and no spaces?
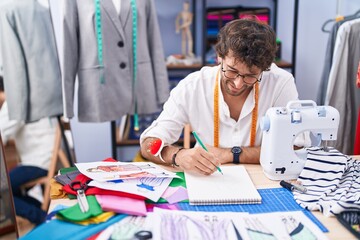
{"x":280,"y":128}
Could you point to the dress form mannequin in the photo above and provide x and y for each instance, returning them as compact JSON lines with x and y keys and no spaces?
{"x":183,"y":23}
{"x":44,"y":3}
{"x":117,"y":4}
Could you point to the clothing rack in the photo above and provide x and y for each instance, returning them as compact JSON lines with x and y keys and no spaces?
{"x":337,"y":19}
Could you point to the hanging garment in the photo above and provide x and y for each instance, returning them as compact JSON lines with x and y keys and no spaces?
{"x":341,"y":91}
{"x":108,"y":99}
{"x":31,"y":67}
{"x":328,"y":59}
{"x":332,"y":181}
{"x":357,"y":137}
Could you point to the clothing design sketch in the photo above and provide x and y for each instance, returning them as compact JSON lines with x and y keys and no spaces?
{"x":180,"y":227}
{"x":256,"y":230}
{"x":119,"y":168}
{"x":149,"y":183}
{"x":296,"y":229}
{"x":127,"y":227}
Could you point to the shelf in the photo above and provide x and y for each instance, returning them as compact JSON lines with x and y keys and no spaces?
{"x":183,"y":66}
{"x":128,"y":142}
{"x":280,"y":63}
{"x":283,"y":64}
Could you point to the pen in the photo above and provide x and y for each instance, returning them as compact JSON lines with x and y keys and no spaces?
{"x":293,"y":187}
{"x":204,"y":147}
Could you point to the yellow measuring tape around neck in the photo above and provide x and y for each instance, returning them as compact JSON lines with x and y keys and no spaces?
{"x":254,"y":116}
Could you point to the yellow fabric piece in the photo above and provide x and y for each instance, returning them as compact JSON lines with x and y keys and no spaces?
{"x":94,"y":220}
{"x":56,"y":191}
{"x":139,"y":158}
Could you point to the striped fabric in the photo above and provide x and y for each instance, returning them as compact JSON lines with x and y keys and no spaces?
{"x":332,"y":180}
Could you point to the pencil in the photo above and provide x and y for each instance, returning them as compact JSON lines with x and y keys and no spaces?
{"x":204,"y":147}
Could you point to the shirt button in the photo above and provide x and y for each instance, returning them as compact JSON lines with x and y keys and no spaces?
{"x":122,"y":65}
{"x":120,"y":44}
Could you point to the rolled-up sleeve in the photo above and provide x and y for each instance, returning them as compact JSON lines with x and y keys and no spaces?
{"x":169,"y":125}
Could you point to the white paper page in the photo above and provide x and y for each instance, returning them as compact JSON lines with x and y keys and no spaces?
{"x":109,"y":171}
{"x":151,"y":188}
{"x":283,"y":224}
{"x":171,"y":224}
{"x":233,"y":187}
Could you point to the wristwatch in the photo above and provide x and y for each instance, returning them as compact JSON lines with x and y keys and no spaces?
{"x":236,"y":154}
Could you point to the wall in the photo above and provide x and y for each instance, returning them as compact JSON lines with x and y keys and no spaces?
{"x":167,"y":16}
{"x":311,"y":41}
{"x":92,"y":141}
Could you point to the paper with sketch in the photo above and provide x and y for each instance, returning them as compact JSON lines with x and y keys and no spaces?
{"x":282,"y":225}
{"x":109,"y":171}
{"x":182,"y":225}
{"x":149,"y":187}
{"x":231,"y":225}
{"x":124,"y":229}
{"x":175,"y":194}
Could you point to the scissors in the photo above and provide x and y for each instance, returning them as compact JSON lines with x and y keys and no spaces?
{"x":80,"y":189}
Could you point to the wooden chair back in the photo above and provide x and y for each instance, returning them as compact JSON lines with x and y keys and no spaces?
{"x":57,"y":154}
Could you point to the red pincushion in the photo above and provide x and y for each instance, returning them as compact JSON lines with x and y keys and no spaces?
{"x":155,"y":146}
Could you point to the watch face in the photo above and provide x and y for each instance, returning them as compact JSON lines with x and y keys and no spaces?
{"x":236,"y":150}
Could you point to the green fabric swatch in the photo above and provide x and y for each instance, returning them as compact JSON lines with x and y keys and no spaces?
{"x":75,"y":214}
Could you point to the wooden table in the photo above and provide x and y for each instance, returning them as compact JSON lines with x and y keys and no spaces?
{"x":336,"y":230}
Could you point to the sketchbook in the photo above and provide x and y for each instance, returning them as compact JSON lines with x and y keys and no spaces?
{"x":234,"y":187}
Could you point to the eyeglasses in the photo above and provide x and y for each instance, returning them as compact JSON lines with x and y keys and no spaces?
{"x":232,"y":75}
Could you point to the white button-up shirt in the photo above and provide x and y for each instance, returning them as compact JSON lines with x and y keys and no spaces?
{"x":192,"y":102}
{"x":34,"y":141}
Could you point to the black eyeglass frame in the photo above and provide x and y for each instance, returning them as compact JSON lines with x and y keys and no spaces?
{"x":242,"y":76}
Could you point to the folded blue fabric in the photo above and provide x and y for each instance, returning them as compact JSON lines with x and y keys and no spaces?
{"x":57,"y":229}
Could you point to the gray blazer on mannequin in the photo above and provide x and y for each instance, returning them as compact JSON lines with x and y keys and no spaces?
{"x":99,"y":102}
{"x":31,"y":66}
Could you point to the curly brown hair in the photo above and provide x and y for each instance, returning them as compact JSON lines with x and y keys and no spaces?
{"x":248,"y":41}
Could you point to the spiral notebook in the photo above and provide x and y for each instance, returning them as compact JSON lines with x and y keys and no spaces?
{"x":234,"y":187}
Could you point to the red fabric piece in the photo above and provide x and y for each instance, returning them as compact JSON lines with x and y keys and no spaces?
{"x":109,"y":160}
{"x":97,"y":191}
{"x":357,"y":137}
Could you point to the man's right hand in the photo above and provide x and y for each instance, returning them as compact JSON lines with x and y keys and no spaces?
{"x":197,"y":160}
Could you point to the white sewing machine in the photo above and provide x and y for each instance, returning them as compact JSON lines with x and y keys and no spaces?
{"x":280,"y":128}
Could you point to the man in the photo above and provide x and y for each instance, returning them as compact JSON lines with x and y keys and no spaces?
{"x":224,"y":104}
